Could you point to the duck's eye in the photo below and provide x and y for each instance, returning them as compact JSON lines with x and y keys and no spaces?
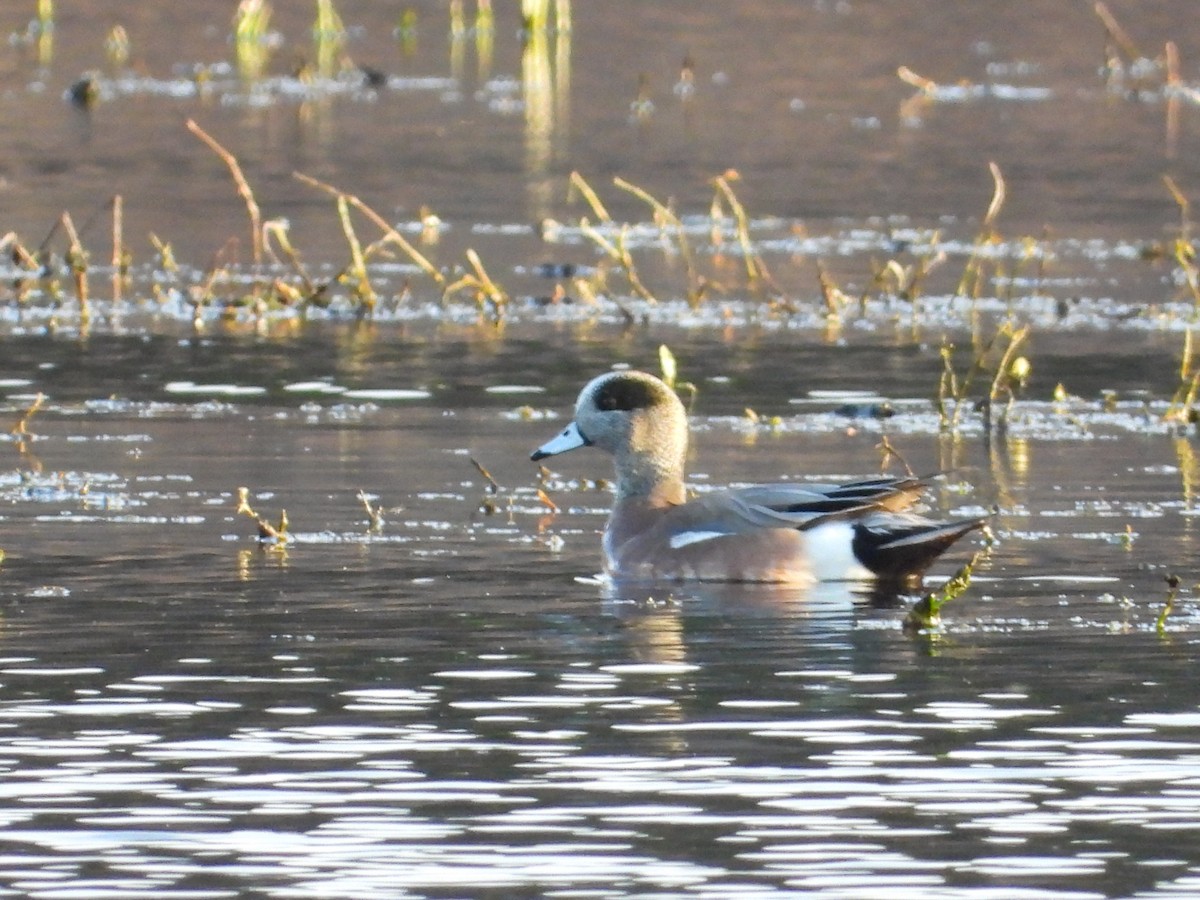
{"x":625,"y":394}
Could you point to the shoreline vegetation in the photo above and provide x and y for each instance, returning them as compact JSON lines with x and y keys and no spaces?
{"x":975,"y":302}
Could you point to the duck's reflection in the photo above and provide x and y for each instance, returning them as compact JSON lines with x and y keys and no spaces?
{"x":837,"y":599}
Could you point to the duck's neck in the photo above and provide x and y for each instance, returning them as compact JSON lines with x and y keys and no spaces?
{"x":650,"y":478}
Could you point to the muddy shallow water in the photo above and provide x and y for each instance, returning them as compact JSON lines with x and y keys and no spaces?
{"x":452,"y":704}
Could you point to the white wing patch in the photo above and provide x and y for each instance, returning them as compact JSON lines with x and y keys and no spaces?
{"x":693,"y":537}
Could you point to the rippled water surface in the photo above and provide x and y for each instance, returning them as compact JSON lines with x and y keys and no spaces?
{"x":453,"y":703}
{"x":448,"y":702}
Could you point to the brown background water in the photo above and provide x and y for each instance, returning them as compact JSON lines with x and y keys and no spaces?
{"x":451,"y":706}
{"x":1082,"y":161}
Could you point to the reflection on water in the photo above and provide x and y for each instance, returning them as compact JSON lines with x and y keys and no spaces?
{"x":546,"y":92}
{"x":534,"y":744}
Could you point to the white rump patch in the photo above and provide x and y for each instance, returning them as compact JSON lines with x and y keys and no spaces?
{"x":693,"y":537}
{"x":831,"y":553}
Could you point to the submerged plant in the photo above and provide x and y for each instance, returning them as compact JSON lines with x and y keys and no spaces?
{"x":275,"y":536}
{"x":925,"y":614}
{"x":375,"y":520}
{"x":1160,"y":623}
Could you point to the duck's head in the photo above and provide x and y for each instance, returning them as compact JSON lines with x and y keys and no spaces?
{"x":639,"y":420}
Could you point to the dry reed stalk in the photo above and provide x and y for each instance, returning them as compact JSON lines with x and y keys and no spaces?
{"x":166,"y":255}
{"x":275,"y":535}
{"x":358,"y":263}
{"x":77,"y":261}
{"x":756,"y":269}
{"x":118,"y":247}
{"x":576,"y":182}
{"x":1173,"y":89}
{"x":492,"y":485}
{"x":973,"y":271}
{"x":1116,"y":33}
{"x":1183,"y":251}
{"x":45,"y":31}
{"x":834,"y":298}
{"x":925,"y":85}
{"x":1175,"y":85}
{"x":1185,"y":208}
{"x":486,"y":290}
{"x":391,"y":235}
{"x":203,"y":294}
{"x":618,"y":253}
{"x":116,"y":47}
{"x":375,"y":519}
{"x":666,"y":216}
{"x":1009,"y":373}
{"x":243,"y":188}
{"x":950,"y":386}
{"x":626,"y":260}
{"x":21,"y":429}
{"x":277,"y":229}
{"x":20,"y":255}
{"x":598,"y":239}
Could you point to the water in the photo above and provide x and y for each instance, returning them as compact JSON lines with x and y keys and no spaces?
{"x":452,"y":704}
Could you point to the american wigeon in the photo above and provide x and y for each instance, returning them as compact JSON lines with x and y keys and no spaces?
{"x":794,"y":533}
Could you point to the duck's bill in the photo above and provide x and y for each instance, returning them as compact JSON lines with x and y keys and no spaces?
{"x":571,"y":438}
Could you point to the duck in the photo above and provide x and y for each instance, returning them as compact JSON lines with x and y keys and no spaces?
{"x":796,"y":533}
